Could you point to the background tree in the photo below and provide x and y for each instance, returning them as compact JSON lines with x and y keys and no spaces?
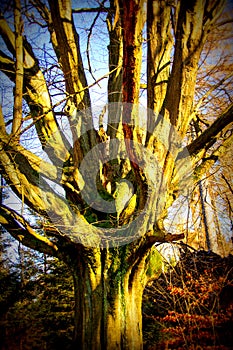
{"x":213,"y":92}
{"x":109,"y":254}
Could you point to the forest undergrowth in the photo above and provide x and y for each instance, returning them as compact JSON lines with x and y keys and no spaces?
{"x":191,"y":305}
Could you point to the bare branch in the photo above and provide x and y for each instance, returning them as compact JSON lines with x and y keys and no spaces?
{"x":208,"y":93}
{"x":151,"y":238}
{"x":88,"y":44}
{"x":27,"y":182}
{"x":204,"y":140}
{"x":19,"y":71}
{"x":7,"y":35}
{"x":7,"y":66}
{"x":39,"y":165}
{"x":222,"y":23}
{"x":168,"y":237}
{"x":209,"y":161}
{"x":20,"y":229}
{"x":93,"y":9}
{"x":228,"y":183}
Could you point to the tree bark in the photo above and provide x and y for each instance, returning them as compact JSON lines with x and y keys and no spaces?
{"x":108,"y":309}
{"x":160,"y":44}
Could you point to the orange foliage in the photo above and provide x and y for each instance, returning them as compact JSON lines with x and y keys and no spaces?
{"x":194,"y":304}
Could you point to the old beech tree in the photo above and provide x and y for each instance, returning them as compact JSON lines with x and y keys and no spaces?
{"x":137,"y":162}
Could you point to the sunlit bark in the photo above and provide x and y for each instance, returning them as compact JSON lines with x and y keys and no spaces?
{"x":20,"y":229}
{"x":194,"y":23}
{"x":110,"y":316}
{"x":160,"y":44}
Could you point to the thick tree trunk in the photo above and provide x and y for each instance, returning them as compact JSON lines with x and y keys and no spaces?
{"x":108,"y":306}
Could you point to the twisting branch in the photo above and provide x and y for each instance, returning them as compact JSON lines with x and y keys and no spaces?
{"x":20,"y":229}
{"x":207,"y":162}
{"x":38,"y":165}
{"x":204,"y":139}
{"x":145,"y":244}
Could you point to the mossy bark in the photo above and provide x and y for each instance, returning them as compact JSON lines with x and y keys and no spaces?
{"x":108,"y":296}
